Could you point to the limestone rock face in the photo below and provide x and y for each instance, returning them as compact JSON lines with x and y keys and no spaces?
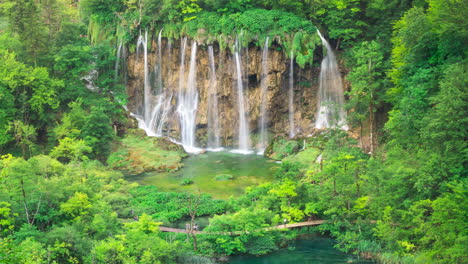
{"x":305,"y":89}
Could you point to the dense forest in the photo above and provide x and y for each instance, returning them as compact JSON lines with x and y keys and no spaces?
{"x":392,"y":189}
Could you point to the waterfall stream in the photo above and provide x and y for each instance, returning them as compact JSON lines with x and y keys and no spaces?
{"x":292,"y":129}
{"x":147,"y":91}
{"x":117,"y":61}
{"x":188,"y":104}
{"x":158,"y":65}
{"x":330,"y":112}
{"x":213,"y":111}
{"x":263,"y":100}
{"x":244,"y":138}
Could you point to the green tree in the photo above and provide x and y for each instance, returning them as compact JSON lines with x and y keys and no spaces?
{"x":367,"y":86}
{"x":25,"y":19}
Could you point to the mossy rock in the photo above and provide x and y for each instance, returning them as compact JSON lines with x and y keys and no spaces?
{"x":166,"y":144}
{"x":224,"y":177}
{"x":137,"y":153}
{"x":280,"y":148}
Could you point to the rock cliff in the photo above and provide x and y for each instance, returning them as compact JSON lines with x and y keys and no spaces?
{"x":305,"y":88}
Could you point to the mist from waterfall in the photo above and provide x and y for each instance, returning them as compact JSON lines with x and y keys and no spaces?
{"x":244,"y":137}
{"x":292,"y":129}
{"x":330,"y":112}
{"x":188,"y":102}
{"x":213,"y":111}
{"x":263,"y":100}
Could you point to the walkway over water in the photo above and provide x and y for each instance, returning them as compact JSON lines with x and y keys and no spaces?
{"x":301,"y":224}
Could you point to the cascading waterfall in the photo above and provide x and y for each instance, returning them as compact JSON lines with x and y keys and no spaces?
{"x":263,"y":100}
{"x":158,"y":65}
{"x":292,"y":129}
{"x":166,"y":108}
{"x":213,"y":111}
{"x":183,"y":46}
{"x":188,"y":104}
{"x":139,"y":46}
{"x":244,"y":138}
{"x":330,"y":112}
{"x":117,"y":61}
{"x":163,"y":106}
{"x":158,"y":116}
{"x":147,"y":90}
{"x":140,"y":43}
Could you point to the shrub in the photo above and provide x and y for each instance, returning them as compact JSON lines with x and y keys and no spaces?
{"x":187,"y":182}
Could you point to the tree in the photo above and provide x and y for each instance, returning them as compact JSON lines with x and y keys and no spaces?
{"x":70,"y":149}
{"x":25,"y":19}
{"x":24,"y":135}
{"x":367,"y":85}
{"x":7,"y":112}
{"x":193,"y":202}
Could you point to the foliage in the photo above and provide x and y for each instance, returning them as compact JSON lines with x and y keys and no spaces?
{"x":367,"y":85}
{"x":187,"y":182}
{"x":169,"y":206}
{"x":405,"y":203}
{"x":281,"y":148}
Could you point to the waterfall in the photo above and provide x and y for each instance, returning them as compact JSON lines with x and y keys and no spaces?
{"x":163,"y":105}
{"x":263,"y":100}
{"x":188,"y":102}
{"x":213,"y":111}
{"x":244,"y":144}
{"x":140,"y":42}
{"x":330,"y":112}
{"x":166,"y":107}
{"x":139,"y":46}
{"x":117,"y":61}
{"x":147,"y":90}
{"x":291,"y":96}
{"x":183,"y":46}
{"x":157,"y":67}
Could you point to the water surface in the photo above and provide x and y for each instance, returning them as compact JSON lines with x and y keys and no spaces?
{"x":203,"y":169}
{"x":313,"y":249}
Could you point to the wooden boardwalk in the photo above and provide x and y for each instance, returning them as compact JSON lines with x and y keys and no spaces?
{"x":301,"y":224}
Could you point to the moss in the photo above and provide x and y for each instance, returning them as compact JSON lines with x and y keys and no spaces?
{"x":137,"y":153}
{"x":287,"y":30}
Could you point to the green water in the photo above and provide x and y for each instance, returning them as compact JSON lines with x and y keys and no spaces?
{"x":246,"y":170}
{"x":314,"y":249}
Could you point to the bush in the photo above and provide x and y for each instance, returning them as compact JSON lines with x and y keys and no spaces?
{"x":187,"y":182}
